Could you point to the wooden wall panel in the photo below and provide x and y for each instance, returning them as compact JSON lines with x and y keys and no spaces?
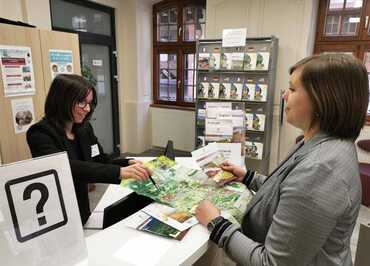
{"x":13,"y":147}
{"x":60,"y":41}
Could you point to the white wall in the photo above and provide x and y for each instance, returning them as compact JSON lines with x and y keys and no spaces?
{"x":175,"y":125}
{"x":12,"y":10}
{"x":291,"y":21}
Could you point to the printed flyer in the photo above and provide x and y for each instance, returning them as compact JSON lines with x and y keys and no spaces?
{"x":61,"y":62}
{"x":17,"y":70}
{"x":23,"y":114}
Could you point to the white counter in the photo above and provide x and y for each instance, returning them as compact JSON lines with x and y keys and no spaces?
{"x":122,"y":245}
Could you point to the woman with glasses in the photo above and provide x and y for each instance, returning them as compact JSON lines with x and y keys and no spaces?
{"x":69,"y":105}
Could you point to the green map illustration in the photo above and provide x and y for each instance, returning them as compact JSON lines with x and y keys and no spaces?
{"x":183,"y":188}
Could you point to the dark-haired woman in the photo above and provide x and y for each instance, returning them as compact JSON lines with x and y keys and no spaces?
{"x":70,"y":102}
{"x":304,"y":212}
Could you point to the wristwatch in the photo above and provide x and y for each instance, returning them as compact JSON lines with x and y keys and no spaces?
{"x":212,"y":224}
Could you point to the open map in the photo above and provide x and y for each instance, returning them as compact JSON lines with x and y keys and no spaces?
{"x":183,"y":188}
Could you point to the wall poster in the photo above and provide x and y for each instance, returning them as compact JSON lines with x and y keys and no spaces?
{"x":23,"y":114}
{"x":61,"y":62}
{"x":17,"y":70}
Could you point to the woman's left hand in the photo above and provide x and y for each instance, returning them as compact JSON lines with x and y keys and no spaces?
{"x":133,"y":161}
{"x":206,"y":212}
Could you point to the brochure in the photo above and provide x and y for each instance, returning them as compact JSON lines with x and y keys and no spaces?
{"x":180,"y":220}
{"x":210,"y":157}
{"x":144,"y":222}
{"x":214,"y":61}
{"x":203,"y":60}
{"x":248,"y":92}
{"x":236,"y":91}
{"x":250,"y":60}
{"x":183,"y":188}
{"x":254,"y":150}
{"x":203,"y":90}
{"x":226,"y":60}
{"x":237,"y":61}
{"x":262,"y":61}
{"x":224,"y":92}
{"x":260,"y":92}
{"x":218,"y":124}
{"x":213,"y":89}
{"x":255,"y":121}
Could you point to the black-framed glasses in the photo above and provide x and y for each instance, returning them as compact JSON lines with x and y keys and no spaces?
{"x":83,"y":104}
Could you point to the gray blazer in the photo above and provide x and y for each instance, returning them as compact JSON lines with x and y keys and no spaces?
{"x":304,"y":212}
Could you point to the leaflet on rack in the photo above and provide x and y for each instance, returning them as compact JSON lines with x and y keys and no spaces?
{"x":218,"y":124}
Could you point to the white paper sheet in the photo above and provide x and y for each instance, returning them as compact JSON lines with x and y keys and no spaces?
{"x":234,"y":37}
{"x":231,"y":152}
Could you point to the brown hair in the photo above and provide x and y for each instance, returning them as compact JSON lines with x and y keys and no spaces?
{"x":66,"y":91}
{"x":337,"y":85}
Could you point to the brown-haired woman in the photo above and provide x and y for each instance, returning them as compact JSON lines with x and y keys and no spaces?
{"x":304,"y":212}
{"x":70,"y":102}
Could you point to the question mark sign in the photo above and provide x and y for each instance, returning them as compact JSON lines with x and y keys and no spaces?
{"x":44,"y":197}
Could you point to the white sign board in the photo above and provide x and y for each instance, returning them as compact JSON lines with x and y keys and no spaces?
{"x":234,"y":37}
{"x":39,"y":219}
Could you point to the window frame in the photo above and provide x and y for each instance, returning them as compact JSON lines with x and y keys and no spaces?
{"x":357,"y":44}
{"x":321,"y":19}
{"x":180,"y":47}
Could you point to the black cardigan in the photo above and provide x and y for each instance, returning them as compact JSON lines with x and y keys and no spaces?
{"x":45,"y":137}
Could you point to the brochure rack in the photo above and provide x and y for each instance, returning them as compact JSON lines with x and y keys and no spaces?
{"x":240,"y":75}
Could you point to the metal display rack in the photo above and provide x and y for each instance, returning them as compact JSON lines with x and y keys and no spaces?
{"x":240,"y":74}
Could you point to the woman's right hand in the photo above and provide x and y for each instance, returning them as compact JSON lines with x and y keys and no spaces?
{"x":137,"y":171}
{"x":238,"y":172}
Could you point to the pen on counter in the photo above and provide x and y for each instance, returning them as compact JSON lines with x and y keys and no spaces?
{"x":152,"y":180}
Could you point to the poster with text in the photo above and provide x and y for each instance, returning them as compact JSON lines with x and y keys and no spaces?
{"x":61,"y":62}
{"x":17,"y":70}
{"x":23,"y":114}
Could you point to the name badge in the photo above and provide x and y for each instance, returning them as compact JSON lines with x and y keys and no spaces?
{"x":94,"y":150}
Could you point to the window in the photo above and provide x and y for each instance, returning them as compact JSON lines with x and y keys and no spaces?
{"x":343,"y":27}
{"x":177,"y":26}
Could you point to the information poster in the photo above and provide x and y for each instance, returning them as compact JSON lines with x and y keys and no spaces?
{"x":23,"y":114}
{"x":61,"y":62}
{"x":17,"y":70}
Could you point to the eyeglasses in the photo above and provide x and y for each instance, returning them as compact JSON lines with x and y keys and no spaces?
{"x":83,"y":105}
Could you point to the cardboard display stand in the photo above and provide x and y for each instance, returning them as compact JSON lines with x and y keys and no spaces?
{"x":39,"y":219}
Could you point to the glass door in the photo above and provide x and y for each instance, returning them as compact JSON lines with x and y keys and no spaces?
{"x":94,"y":23}
{"x":95,"y":62}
